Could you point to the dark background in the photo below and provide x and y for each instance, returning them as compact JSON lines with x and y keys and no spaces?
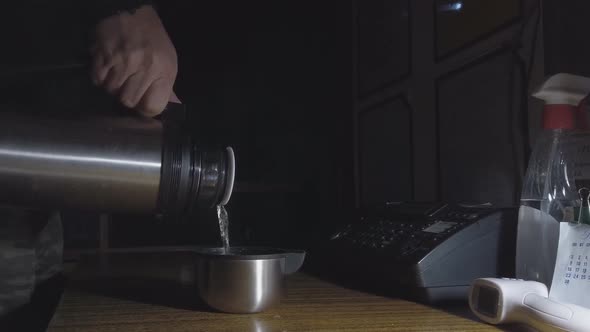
{"x":566,"y":35}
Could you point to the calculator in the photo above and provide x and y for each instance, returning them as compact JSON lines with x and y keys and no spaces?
{"x":428,"y":252}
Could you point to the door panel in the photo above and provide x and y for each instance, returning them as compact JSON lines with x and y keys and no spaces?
{"x":477,"y":159}
{"x":461,"y":22}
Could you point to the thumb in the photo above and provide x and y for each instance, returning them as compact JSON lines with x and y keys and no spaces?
{"x":174,"y":99}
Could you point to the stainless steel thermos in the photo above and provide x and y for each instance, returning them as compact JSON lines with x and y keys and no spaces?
{"x":110,"y":163}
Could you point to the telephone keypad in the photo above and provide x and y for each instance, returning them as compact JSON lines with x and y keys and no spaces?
{"x":406,"y":236}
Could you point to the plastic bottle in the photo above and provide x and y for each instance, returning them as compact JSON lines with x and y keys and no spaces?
{"x":559,"y":166}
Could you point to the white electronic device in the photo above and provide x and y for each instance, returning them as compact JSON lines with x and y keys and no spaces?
{"x":499,"y":301}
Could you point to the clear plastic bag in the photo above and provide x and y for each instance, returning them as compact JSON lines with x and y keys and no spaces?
{"x":558,"y":168}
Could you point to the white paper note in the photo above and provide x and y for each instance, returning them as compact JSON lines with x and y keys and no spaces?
{"x":571,"y":278}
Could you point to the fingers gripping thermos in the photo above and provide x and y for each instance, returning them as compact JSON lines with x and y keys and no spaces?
{"x":114,"y":164}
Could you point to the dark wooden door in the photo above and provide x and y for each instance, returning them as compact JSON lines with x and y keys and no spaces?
{"x":440,"y":106}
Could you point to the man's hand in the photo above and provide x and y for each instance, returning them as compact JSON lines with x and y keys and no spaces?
{"x":134,"y":59}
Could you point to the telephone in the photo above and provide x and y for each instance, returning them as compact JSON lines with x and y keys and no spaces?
{"x":428,"y":252}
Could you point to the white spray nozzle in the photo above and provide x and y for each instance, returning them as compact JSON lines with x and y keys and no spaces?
{"x":564,"y":89}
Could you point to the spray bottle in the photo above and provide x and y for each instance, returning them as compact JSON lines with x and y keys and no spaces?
{"x":558,"y":172}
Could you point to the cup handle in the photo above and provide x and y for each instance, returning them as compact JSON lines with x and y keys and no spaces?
{"x":293,"y":260}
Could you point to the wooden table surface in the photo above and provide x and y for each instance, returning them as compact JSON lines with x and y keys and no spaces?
{"x":310,"y":305}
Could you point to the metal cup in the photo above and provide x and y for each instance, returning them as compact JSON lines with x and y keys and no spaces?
{"x":244,"y":279}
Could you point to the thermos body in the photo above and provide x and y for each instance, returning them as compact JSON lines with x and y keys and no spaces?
{"x":118,"y":164}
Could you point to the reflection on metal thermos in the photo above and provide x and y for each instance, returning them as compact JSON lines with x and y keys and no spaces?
{"x":113,"y":164}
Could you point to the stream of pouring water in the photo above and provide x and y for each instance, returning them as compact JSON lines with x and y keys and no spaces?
{"x":223,"y":226}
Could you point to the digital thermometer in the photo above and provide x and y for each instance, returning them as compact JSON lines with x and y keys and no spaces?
{"x":499,"y":301}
